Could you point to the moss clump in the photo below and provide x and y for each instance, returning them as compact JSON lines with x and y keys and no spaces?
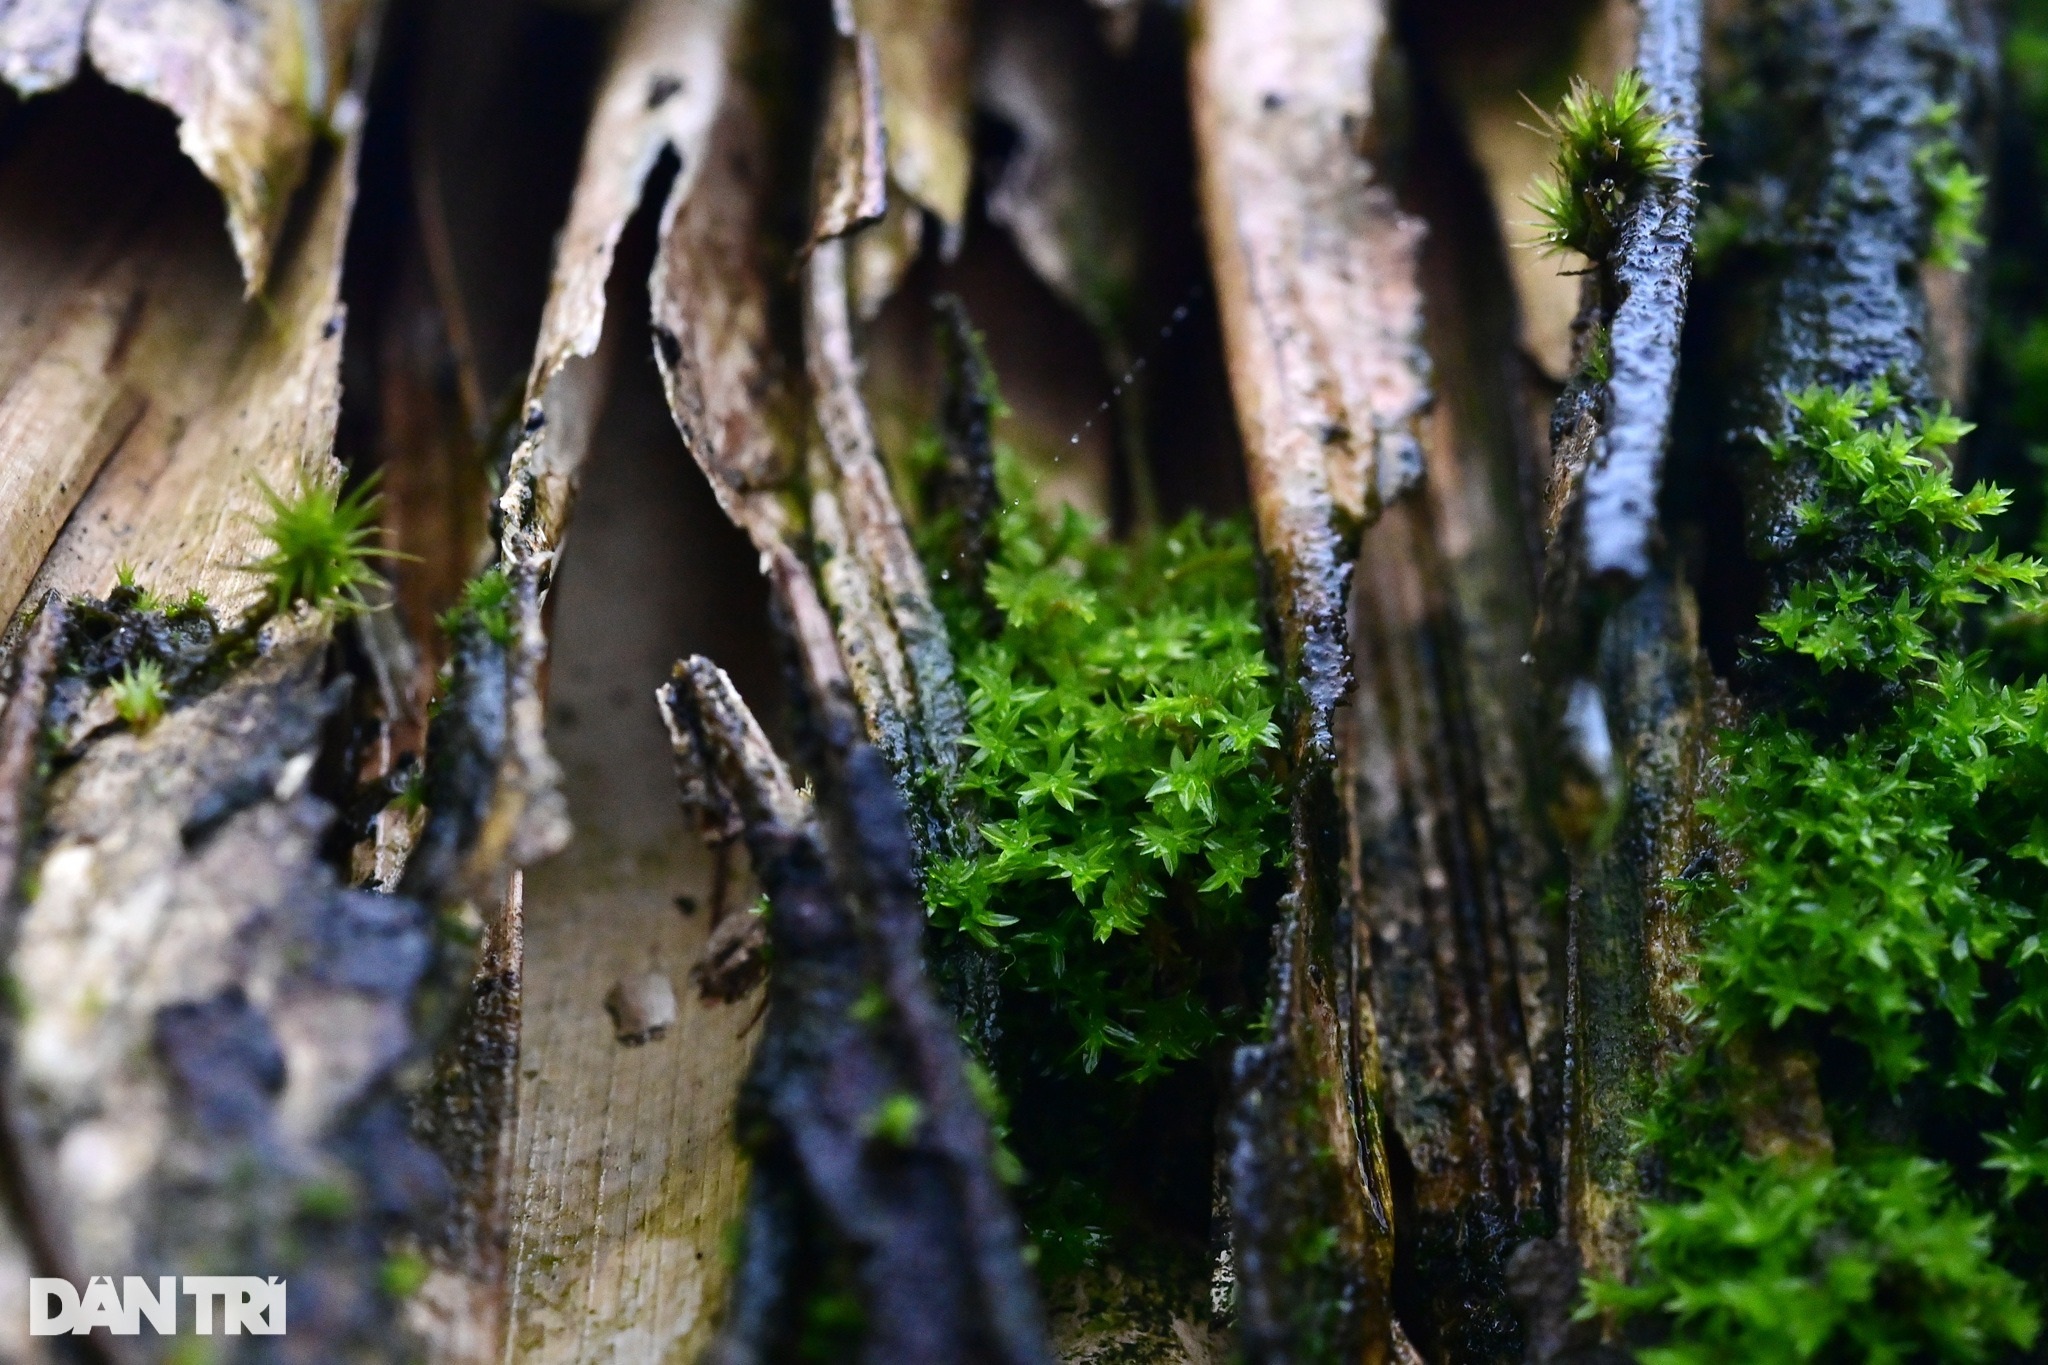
{"x":140,"y":694}
{"x":1883,"y":920}
{"x":1121,"y":744}
{"x":322,"y":542}
{"x":1608,"y":147}
{"x":486,"y":600}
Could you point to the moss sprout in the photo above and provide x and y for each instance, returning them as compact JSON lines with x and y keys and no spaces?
{"x":322,"y":542}
{"x":896,"y":1120}
{"x":403,"y":1274}
{"x":140,"y":694}
{"x":1955,"y":193}
{"x":1608,"y":147}
{"x":486,"y":600}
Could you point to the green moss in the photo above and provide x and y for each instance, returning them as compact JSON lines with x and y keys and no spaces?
{"x":322,"y":543}
{"x":1121,"y":741}
{"x":140,"y":695}
{"x":326,"y":1201}
{"x":1608,"y":147}
{"x":1955,"y":194}
{"x":486,"y":600}
{"x":403,"y":1274}
{"x":1778,"y":1262}
{"x":895,"y":1120}
{"x":1886,"y":803}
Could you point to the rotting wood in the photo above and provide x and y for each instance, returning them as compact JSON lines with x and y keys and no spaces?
{"x":465,"y":1115}
{"x":1628,"y":701}
{"x":140,"y":363}
{"x":626,"y":1175}
{"x":255,"y":87}
{"x":1449,"y":853}
{"x":710,"y":302}
{"x":216,"y":1081}
{"x":923,"y":76}
{"x":1315,"y":272}
{"x":698,"y":699}
{"x":868,"y":1144}
{"x":1064,"y":194}
{"x":871,"y":573}
{"x":660,"y":93}
{"x":242,"y":1104}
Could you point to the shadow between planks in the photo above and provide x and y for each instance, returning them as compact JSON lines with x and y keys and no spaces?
{"x":625,"y":1173}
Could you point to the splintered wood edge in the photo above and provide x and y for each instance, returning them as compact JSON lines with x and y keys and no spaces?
{"x":181,"y":498}
{"x":254,"y":87}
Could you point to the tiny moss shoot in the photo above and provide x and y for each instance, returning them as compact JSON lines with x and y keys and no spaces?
{"x":322,"y":542}
{"x":896,"y":1120}
{"x":1608,"y":147}
{"x":1955,"y":194}
{"x":403,"y":1274}
{"x":1882,"y":917}
{"x":487,"y":600}
{"x":140,"y":695}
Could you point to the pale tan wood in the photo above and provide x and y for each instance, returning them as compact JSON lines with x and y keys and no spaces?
{"x":1314,"y":260}
{"x":251,"y":82}
{"x":625,"y":1174}
{"x":213,"y":397}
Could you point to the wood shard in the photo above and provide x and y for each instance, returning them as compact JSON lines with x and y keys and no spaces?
{"x":660,"y":94}
{"x":642,"y":1007}
{"x":253,"y":85}
{"x":1314,"y":261}
{"x":923,"y":56}
{"x":136,"y":360}
{"x":1315,"y":270}
{"x":852,"y":174}
{"x":1652,"y":274}
{"x":664,"y":87}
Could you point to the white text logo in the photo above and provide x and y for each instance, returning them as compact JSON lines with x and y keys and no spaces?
{"x":247,"y":1303}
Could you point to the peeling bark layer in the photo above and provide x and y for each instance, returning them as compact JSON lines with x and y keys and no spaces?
{"x":253,"y":86}
{"x":1315,"y":275}
{"x":906,"y":1216}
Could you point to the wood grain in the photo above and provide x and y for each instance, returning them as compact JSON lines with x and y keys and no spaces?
{"x":625,"y":1171}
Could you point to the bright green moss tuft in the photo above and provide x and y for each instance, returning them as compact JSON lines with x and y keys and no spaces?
{"x":322,"y":543}
{"x":140,"y":695}
{"x":1121,"y":746}
{"x":1775,"y":1262}
{"x":1608,"y":148}
{"x":487,"y":600}
{"x":1888,"y":804}
{"x":1897,"y":578}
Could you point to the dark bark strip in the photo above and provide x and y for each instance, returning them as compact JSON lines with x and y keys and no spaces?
{"x":872,"y":1162}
